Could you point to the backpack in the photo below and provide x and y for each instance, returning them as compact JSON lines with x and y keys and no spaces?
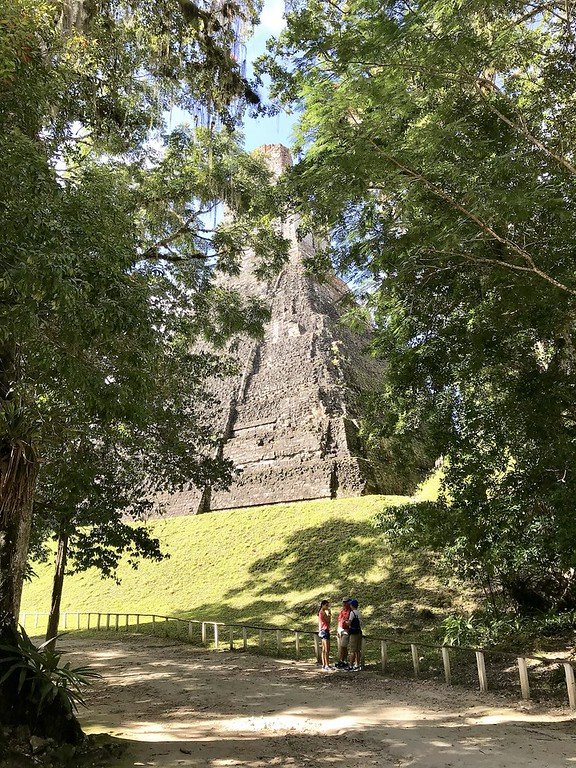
{"x":354,"y":628}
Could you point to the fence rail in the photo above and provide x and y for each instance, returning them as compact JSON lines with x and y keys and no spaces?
{"x":379,"y":648}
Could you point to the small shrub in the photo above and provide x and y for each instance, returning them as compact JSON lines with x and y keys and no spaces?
{"x":39,"y":676}
{"x":505,"y":631}
{"x":460,"y":630}
{"x":552,"y":624}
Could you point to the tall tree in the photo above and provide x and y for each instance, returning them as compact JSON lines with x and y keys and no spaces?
{"x":108,"y":245}
{"x":440,"y":153}
{"x":97,"y":487}
{"x":93,"y":501}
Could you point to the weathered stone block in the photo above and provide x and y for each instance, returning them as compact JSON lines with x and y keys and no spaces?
{"x":290,"y":414}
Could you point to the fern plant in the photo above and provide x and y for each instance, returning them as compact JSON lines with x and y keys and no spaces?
{"x":39,"y":675}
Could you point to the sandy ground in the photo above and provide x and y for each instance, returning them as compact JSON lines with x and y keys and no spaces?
{"x":181,"y":706}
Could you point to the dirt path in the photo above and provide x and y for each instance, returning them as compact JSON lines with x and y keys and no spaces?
{"x":184,"y":706}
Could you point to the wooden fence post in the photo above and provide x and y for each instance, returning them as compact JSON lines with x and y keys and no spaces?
{"x":446,"y":663}
{"x":384,"y":654}
{"x":524,"y":682}
{"x":317,"y":648}
{"x":415,"y":659}
{"x":24,"y":617}
{"x":570,"y":684}
{"x":36,"y":620}
{"x":65,"y":619}
{"x":481,"y":665}
{"x":523,"y":670}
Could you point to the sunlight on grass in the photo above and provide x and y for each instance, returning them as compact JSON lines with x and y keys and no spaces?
{"x":429,"y":490}
{"x":266,"y":565}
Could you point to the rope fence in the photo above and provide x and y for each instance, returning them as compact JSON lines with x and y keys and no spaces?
{"x":524,"y":674}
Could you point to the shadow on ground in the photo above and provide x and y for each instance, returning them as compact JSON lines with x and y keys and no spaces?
{"x":178,"y":706}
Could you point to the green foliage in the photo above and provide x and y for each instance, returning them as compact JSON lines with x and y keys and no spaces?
{"x":112,"y":242}
{"x":459,"y":629}
{"x":41,"y":677}
{"x":110,"y":249}
{"x":485,"y":629}
{"x":507,"y":631}
{"x":86,"y":499}
{"x":410,"y":523}
{"x":438,"y":151}
{"x":489,"y":630}
{"x":492,"y":543}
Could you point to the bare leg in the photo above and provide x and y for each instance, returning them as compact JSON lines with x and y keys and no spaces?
{"x":354,"y":658}
{"x":325,"y":652}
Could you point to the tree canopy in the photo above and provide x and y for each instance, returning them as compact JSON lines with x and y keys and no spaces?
{"x":438,"y":151}
{"x":111,"y":240}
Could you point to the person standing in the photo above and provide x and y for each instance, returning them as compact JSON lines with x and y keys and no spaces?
{"x":324,"y":617}
{"x":343,"y":635}
{"x":355,"y":632}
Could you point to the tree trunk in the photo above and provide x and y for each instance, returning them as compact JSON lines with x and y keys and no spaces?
{"x":57,"y":584}
{"x":17,"y":478}
{"x":17,"y":708}
{"x":18,"y":471}
{"x":19,"y":465}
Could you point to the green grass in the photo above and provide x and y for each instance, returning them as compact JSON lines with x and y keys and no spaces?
{"x":268,"y":565}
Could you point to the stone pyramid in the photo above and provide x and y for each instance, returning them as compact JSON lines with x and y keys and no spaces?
{"x":289,"y":419}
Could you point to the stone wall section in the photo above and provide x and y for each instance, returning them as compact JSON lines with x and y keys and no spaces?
{"x":288,"y":419}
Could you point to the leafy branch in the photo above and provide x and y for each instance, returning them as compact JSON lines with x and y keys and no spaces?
{"x":530,"y":264}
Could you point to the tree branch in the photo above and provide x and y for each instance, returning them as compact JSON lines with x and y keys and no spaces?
{"x":480,"y":86}
{"x":475,"y":81}
{"x":153,"y":251}
{"x":495,"y":263}
{"x":531,"y":265}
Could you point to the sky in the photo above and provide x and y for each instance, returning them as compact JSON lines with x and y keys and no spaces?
{"x":260,"y":130}
{"x":266,"y":130}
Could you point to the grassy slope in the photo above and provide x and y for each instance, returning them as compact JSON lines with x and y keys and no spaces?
{"x":266,"y":564}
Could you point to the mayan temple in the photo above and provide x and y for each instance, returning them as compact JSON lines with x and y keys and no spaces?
{"x":289,"y":418}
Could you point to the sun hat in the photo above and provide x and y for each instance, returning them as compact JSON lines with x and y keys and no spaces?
{"x":346,"y":599}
